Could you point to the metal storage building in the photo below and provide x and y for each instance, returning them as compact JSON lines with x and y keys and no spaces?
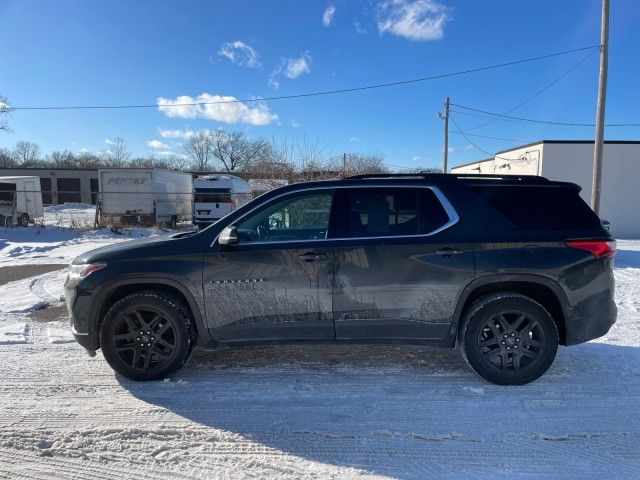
{"x":572,"y":161}
{"x":61,"y":185}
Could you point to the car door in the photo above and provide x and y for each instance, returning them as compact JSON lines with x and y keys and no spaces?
{"x":401,"y":265}
{"x":275,"y":282}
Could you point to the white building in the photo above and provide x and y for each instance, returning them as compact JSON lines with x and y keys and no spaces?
{"x":572,"y":161}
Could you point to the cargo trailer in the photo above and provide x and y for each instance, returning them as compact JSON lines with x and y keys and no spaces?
{"x":144,"y":196}
{"x":20,"y":200}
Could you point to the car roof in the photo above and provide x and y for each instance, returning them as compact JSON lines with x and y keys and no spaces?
{"x":431,"y":179}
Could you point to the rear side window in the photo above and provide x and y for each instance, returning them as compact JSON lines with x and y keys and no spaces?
{"x":540,"y":208}
{"x":388,"y":212}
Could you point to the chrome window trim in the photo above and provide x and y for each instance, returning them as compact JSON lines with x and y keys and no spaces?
{"x":448,"y":208}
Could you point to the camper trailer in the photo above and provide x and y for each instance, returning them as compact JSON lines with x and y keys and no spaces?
{"x":141,"y":196}
{"x":215,"y":196}
{"x":20,"y":201}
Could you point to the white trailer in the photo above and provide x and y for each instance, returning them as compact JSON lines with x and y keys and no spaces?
{"x":20,"y":200}
{"x":142,"y":196}
{"x":215,"y":196}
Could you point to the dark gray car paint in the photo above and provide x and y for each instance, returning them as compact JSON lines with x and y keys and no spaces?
{"x":388,"y":290}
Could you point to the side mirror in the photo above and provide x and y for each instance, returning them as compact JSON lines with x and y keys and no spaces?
{"x":228,"y":236}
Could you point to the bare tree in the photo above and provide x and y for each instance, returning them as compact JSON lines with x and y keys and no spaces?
{"x":27,"y":154}
{"x":235,"y":152}
{"x":5,"y":108}
{"x":6,"y":159}
{"x":361,"y":163}
{"x":88,"y":160}
{"x":117,"y":154}
{"x":178,"y":162}
{"x":62,"y":159}
{"x":199,"y":149}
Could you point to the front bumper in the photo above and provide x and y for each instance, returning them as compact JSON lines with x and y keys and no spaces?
{"x":88,"y":341}
{"x":79,"y":302}
{"x":583,"y":328}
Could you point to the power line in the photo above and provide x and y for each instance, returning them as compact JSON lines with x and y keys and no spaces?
{"x":546,"y":122}
{"x":539,"y":92}
{"x":319,"y":93}
{"x":490,"y":137}
{"x":475,"y":144}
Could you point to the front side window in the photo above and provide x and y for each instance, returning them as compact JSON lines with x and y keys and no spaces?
{"x":299,"y":218}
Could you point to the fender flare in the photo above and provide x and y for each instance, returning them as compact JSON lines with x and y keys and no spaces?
{"x":491,"y":279}
{"x":196,"y":307}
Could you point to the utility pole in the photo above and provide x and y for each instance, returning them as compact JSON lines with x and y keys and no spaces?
{"x":598,"y":146}
{"x":344,"y":164}
{"x":446,"y":134}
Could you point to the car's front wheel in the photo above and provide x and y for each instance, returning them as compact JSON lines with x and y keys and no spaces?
{"x":147,"y":335}
{"x":509,"y":339}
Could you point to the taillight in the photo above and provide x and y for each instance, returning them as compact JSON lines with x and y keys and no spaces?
{"x":598,"y":248}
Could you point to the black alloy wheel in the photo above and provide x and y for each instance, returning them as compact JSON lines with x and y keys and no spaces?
{"x":509,"y":339}
{"x":147,"y":335}
{"x":144,"y":339}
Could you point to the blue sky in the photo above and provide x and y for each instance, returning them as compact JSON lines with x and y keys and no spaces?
{"x":137,"y":52}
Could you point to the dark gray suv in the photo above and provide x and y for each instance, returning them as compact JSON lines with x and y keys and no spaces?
{"x":505,"y":267}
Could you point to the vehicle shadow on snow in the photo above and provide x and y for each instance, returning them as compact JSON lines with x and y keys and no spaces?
{"x":404,"y":411}
{"x":627,"y":259}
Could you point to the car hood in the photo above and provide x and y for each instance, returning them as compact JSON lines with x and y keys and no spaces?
{"x":138,"y":248}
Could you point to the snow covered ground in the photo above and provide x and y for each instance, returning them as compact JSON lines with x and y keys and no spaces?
{"x":305,"y":412}
{"x":46,"y":245}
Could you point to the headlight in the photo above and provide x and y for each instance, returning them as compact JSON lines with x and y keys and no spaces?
{"x":79,"y":272}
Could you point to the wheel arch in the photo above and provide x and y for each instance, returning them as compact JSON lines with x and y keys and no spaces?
{"x":119,"y":289}
{"x":541,"y":289}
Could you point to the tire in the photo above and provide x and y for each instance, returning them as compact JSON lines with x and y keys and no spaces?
{"x":23,"y":220}
{"x":509,"y":339}
{"x":162,"y":325}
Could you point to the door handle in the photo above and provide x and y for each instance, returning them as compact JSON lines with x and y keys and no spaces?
{"x":447,"y":252}
{"x":310,"y":257}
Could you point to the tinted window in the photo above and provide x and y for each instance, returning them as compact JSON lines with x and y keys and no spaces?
{"x":381,"y":212}
{"x":300,"y":218}
{"x":540,"y":208}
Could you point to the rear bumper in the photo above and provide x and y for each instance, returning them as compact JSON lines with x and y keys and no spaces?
{"x":583,"y":328}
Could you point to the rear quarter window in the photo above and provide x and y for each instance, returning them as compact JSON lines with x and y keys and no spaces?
{"x":389,"y":212}
{"x":539,"y":208}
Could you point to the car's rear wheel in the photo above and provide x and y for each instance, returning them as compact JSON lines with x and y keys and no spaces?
{"x":147,"y":335}
{"x":509,"y":339}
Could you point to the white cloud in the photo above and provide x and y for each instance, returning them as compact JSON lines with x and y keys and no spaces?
{"x":170,"y":152}
{"x":357,"y":26}
{"x":295,"y":124}
{"x":295,"y":67}
{"x":157,"y":145}
{"x":416,"y":158}
{"x":240,"y":53}
{"x":354,"y":139}
{"x":176,"y":133}
{"x":108,"y":142}
{"x":291,"y":68}
{"x":413,"y":19}
{"x":220,"y":108}
{"x":327,"y":16}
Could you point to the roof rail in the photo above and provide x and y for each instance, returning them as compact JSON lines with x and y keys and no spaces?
{"x":453,"y":177}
